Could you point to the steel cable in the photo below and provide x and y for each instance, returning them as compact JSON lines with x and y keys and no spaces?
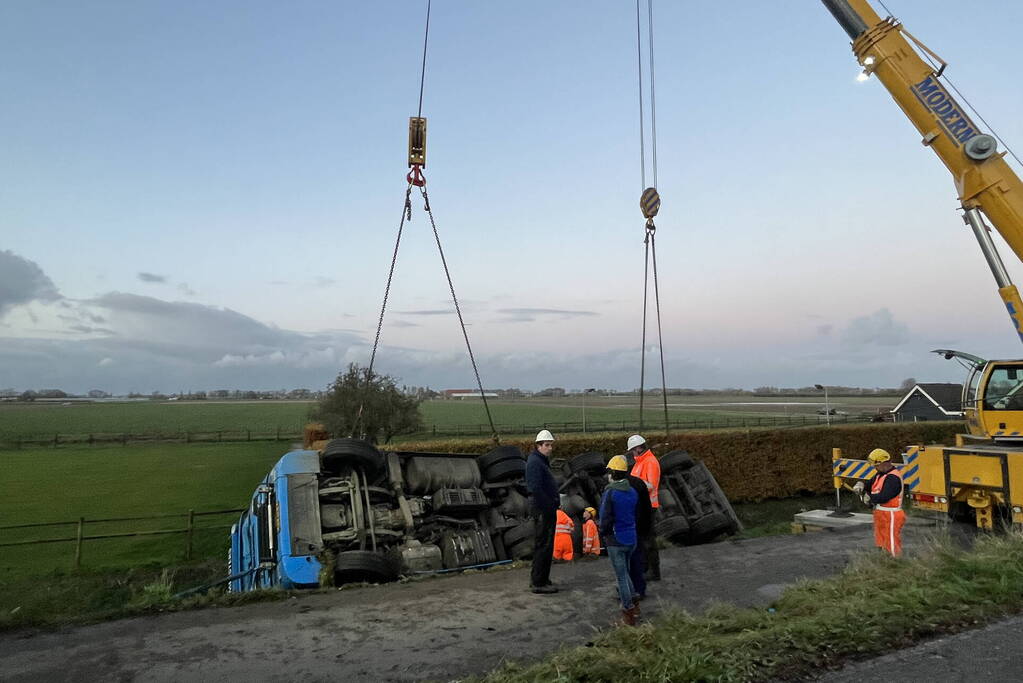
{"x":406,"y":213}
{"x":458,"y":310}
{"x":642,"y":132}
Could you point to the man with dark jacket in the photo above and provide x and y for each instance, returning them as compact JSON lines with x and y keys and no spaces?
{"x":644,"y":535}
{"x":543,"y":509}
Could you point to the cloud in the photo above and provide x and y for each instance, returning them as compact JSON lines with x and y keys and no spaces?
{"x":402,"y":323}
{"x":185,"y":289}
{"x":825,"y":330}
{"x":150,"y":277}
{"x":23,"y":281}
{"x":105,"y":362}
{"x":434,"y":311}
{"x":323,"y":282}
{"x":879,"y":328}
{"x":523,"y":315}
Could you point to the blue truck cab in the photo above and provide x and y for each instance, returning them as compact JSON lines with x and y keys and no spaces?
{"x":276,"y":541}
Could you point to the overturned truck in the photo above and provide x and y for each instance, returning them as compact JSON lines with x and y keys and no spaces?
{"x":350,"y":513}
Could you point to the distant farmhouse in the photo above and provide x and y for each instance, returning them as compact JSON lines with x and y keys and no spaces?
{"x":467,"y":393}
{"x":930,"y":402}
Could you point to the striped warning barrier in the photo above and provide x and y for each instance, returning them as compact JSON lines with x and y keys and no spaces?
{"x":847,"y":468}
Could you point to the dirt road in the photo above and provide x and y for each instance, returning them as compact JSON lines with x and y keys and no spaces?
{"x":437,"y":628}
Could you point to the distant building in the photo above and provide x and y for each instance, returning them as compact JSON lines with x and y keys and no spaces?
{"x":930,"y":402}
{"x":467,"y":393}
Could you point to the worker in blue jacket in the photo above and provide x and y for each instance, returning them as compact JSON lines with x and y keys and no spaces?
{"x":618,"y":527}
{"x":543,"y":509}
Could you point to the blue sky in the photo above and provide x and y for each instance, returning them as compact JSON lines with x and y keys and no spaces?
{"x":205,"y":195}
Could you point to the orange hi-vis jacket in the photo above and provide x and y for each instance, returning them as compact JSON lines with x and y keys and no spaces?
{"x":889,"y":517}
{"x":563,"y":546}
{"x":649,"y":470}
{"x":591,"y":541}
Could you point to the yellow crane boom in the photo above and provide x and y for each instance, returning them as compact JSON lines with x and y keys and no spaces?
{"x":986,"y":185}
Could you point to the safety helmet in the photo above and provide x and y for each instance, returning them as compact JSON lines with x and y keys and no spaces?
{"x":635,"y":440}
{"x":618,"y":464}
{"x":879,"y":455}
{"x":592,"y":511}
{"x":544,"y":435}
{"x":562,"y":500}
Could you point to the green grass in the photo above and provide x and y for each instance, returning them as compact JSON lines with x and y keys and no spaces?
{"x":37,"y":584}
{"x":773,"y":517}
{"x":55,"y":485}
{"x":814,"y":626}
{"x":42,"y":420}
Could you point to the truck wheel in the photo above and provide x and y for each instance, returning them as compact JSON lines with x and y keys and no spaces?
{"x":680,"y":460}
{"x":354,"y":566}
{"x":588,"y":462}
{"x":711,"y":525}
{"x":521,"y":550}
{"x":499,"y":454}
{"x":353,"y":453}
{"x":523,"y":531}
{"x":675,"y":529}
{"x":505,"y":469}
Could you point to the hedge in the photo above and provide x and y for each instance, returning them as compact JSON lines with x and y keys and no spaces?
{"x":749,"y":465}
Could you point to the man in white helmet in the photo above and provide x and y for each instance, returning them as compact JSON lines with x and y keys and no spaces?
{"x":543,"y":508}
{"x":646,"y":467}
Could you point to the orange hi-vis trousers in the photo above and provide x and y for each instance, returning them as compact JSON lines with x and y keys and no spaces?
{"x":563,"y":547}
{"x":888,"y":524}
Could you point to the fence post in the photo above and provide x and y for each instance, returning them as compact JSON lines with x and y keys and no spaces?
{"x":248,"y":435}
{"x":78,"y":543}
{"x":188,"y":535}
{"x":278,"y":438}
{"x":56,"y":440}
{"x":188,"y":437}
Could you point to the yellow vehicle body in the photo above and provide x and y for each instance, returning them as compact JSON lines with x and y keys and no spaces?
{"x":981,"y":476}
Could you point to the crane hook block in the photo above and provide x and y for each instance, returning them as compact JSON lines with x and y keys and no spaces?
{"x":649,"y":203}
{"x":417,"y":141}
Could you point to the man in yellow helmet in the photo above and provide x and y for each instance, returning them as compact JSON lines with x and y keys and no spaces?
{"x":884,"y":493}
{"x":618,"y":527}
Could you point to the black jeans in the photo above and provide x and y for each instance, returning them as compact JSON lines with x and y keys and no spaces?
{"x":653,"y":557}
{"x":543,"y":547}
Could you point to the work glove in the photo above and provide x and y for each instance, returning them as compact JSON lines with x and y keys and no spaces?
{"x":866,"y":499}
{"x":858,"y":488}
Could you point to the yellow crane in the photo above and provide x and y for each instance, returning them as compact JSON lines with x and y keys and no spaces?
{"x":981,"y":476}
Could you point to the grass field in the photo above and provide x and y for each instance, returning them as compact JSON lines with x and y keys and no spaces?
{"x":53,"y":485}
{"x":30,"y":420}
{"x":43,"y":420}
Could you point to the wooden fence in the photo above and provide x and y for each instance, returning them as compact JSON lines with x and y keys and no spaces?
{"x":80,"y":536}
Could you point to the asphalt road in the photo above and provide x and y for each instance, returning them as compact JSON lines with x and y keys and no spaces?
{"x":437,"y":628}
{"x":985,"y":654}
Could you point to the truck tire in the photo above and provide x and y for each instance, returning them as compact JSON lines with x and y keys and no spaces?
{"x":523,"y":531}
{"x":499,"y":454}
{"x":680,"y":460}
{"x":674,"y":529}
{"x":521,"y":550}
{"x":354,"y":566}
{"x":353,"y":453}
{"x":514,"y":468}
{"x":588,"y":462}
{"x":710,"y":525}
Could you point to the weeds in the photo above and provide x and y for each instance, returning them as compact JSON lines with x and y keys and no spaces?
{"x":813,"y":626}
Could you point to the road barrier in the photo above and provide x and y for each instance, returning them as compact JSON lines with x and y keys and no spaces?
{"x":81,"y":537}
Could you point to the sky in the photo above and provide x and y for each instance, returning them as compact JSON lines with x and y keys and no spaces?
{"x":206,"y":195}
